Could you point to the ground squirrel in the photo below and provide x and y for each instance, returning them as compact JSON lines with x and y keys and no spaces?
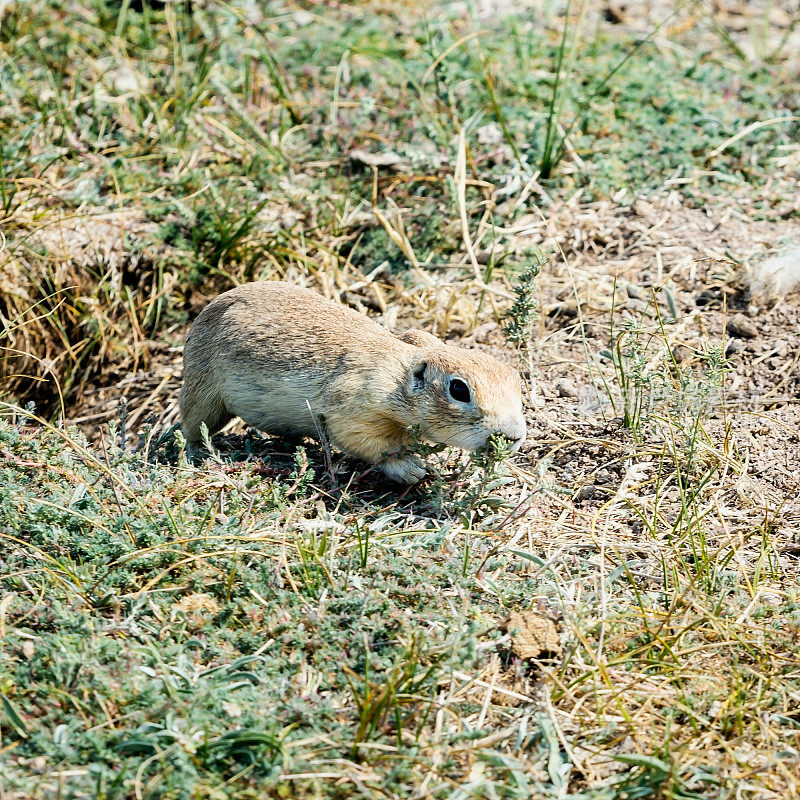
{"x":287,"y":361}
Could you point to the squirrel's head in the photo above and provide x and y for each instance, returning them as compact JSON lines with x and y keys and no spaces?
{"x":461,"y":397}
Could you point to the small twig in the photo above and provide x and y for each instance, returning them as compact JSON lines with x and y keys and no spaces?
{"x":324,"y":443}
{"x":460,"y":178}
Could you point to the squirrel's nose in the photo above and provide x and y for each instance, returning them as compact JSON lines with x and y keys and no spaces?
{"x":515,"y":432}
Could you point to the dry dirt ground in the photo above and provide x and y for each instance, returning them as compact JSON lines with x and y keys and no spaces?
{"x":604,"y":255}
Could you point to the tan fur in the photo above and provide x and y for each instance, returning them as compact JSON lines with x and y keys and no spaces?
{"x":287,"y":361}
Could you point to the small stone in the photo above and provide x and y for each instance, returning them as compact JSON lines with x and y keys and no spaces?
{"x":565,"y":388}
{"x":682,"y":354}
{"x":604,"y":477}
{"x":733,"y":346}
{"x":635,"y":292}
{"x":588,"y":492}
{"x":741,"y":327}
{"x":533,"y":635}
{"x":388,"y":158}
{"x":302,"y":18}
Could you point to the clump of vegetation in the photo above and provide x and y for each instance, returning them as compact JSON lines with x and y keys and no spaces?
{"x":191,"y":616}
{"x":524,"y":312}
{"x":654,"y":388}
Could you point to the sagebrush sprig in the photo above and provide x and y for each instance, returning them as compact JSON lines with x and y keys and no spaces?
{"x":524,"y":312}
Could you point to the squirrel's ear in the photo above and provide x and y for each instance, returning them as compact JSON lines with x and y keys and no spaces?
{"x":418,"y":376}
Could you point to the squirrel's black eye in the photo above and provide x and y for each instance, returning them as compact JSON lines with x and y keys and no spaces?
{"x":459,"y":390}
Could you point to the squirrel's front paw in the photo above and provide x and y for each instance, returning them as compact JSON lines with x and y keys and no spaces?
{"x":404,"y":469}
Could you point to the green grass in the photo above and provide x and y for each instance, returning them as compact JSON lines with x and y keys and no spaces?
{"x":171,"y":631}
{"x":257,"y":627}
{"x":196,"y":627}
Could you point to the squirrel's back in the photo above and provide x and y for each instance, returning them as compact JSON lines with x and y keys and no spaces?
{"x":281,"y":357}
{"x":273,"y":322}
